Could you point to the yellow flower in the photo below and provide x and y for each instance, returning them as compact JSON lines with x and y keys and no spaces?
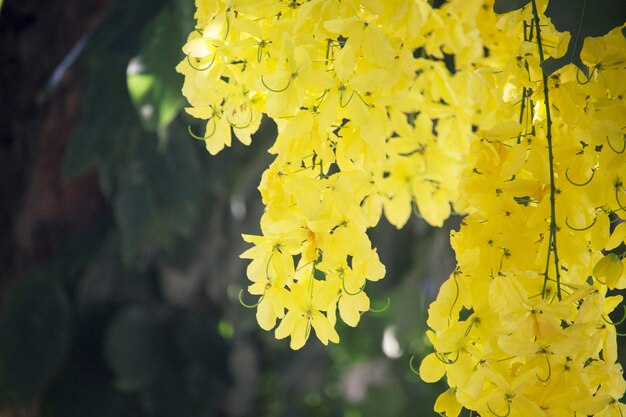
{"x":309,"y":297}
{"x":447,"y":404}
{"x":432,"y":368}
{"x":609,"y":270}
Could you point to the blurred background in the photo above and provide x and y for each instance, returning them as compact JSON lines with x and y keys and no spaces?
{"x":120,"y":236}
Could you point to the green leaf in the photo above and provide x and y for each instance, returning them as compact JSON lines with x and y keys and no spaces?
{"x":134,"y":349}
{"x":107,"y":115}
{"x":133,"y":207}
{"x":167,"y":397}
{"x":159,"y":192}
{"x":505,"y":6}
{"x":84,"y":387}
{"x":34,"y":337}
{"x":153,"y":84}
{"x":582,"y":18}
{"x":146,"y":362}
{"x":177,"y":180}
{"x":205,"y":355}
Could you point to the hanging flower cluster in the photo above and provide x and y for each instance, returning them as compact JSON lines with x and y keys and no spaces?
{"x":366,"y":123}
{"x":522,"y":326}
{"x":393,"y":106}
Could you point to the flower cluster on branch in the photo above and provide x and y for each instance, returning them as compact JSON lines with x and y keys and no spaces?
{"x":522,"y":326}
{"x":397,"y":107}
{"x":369,"y":117}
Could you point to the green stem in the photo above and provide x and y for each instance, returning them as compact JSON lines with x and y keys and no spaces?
{"x":552,"y":243}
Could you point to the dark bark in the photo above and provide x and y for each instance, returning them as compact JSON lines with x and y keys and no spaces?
{"x":37,"y":209}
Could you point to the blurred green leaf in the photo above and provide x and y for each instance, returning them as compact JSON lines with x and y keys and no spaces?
{"x":205,"y":354}
{"x":108,"y":113}
{"x":167,"y":397}
{"x":133,"y":347}
{"x":107,"y":116}
{"x":84,"y":387}
{"x":159,"y":192}
{"x":388,"y":398}
{"x":153,"y":84}
{"x":505,"y":6}
{"x":181,"y":376}
{"x":34,"y":337}
{"x":133,"y":207}
{"x":177,"y":176}
{"x":582,"y":18}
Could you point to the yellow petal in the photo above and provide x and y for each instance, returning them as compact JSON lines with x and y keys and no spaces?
{"x":398,"y":209}
{"x":350,"y":307}
{"x":432,"y":369}
{"x":286,"y":326}
{"x":300,"y":333}
{"x":323,"y":329}
{"x":617,"y":237}
{"x":265,"y":314}
{"x":198,"y":48}
{"x":609,"y":270}
{"x":447,"y":404}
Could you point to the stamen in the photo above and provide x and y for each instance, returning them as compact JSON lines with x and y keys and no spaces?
{"x":276,"y":90}
{"x":243,"y":303}
{"x":201,"y":69}
{"x":208,"y":136}
{"x":579,"y":184}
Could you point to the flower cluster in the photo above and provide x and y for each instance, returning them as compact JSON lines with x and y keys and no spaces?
{"x":393,"y":107}
{"x":522,"y":326}
{"x":370,"y":120}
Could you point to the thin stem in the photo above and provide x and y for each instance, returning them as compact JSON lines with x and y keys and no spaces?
{"x":456,"y":297}
{"x":552,"y":242}
{"x":615,"y":149}
{"x":383,"y":308}
{"x":412,"y":367}
{"x":521,"y":113}
{"x":243,"y":303}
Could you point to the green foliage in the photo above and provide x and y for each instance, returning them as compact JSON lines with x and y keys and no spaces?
{"x":153,"y":83}
{"x":84,"y":387}
{"x":134,"y":349}
{"x":105,"y":352}
{"x":582,"y":19}
{"x":205,"y":372}
{"x":108,"y":115}
{"x":157,"y":191}
{"x":175,"y":371}
{"x":34,"y":337}
{"x":106,"y":118}
{"x":154,"y":183}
